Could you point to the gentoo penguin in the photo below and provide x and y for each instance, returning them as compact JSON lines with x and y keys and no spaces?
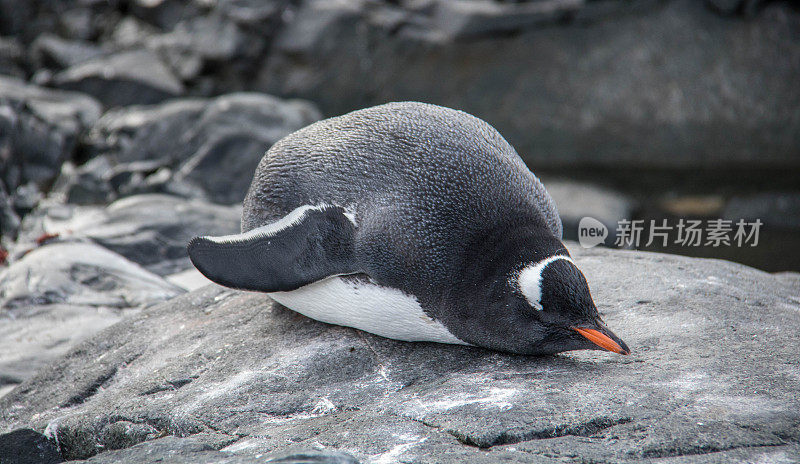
{"x":413,"y":222}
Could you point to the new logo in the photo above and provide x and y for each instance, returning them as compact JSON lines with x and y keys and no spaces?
{"x":591,"y":232}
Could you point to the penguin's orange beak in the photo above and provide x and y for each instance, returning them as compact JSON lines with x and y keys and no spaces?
{"x":602,"y":340}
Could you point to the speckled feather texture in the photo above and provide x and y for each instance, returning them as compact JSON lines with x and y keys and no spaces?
{"x":410,"y":199}
{"x":420,"y":160}
{"x":419,"y":178}
{"x":431,"y":190}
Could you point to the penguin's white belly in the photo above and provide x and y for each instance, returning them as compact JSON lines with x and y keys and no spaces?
{"x":357,"y":302}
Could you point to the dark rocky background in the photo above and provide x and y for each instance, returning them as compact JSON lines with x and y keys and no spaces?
{"x":680,"y":108}
{"x":129,"y":126}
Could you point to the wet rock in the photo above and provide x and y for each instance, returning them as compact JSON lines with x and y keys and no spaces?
{"x":26,"y":197}
{"x":25,"y":446}
{"x":576,"y":201}
{"x":699,"y":385}
{"x":121,"y":79}
{"x":130,"y":32}
{"x":61,"y":293}
{"x":586,"y":93}
{"x":51,"y":51}
{"x":486,"y":18}
{"x":164,"y":14}
{"x":210,"y":146}
{"x":71,"y":19}
{"x":39,"y":129}
{"x":151,"y":230}
{"x":85,"y":185}
{"x":207,"y":37}
{"x":9,"y":220}
{"x":254,"y":13}
{"x":11,"y":57}
{"x":80,"y":274}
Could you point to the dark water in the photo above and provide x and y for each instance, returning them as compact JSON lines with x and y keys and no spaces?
{"x":703,"y":195}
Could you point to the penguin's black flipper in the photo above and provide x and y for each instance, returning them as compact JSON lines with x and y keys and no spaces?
{"x":308,"y":244}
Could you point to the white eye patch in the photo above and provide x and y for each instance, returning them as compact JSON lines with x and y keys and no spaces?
{"x":529,"y":280}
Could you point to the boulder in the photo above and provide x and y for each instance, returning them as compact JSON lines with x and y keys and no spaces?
{"x":51,"y":51}
{"x":258,"y":14}
{"x":11,"y":58}
{"x":209,"y":147}
{"x":39,"y":129}
{"x":207,"y":37}
{"x":79,"y":274}
{"x":9,"y":220}
{"x":121,"y":79}
{"x":131,"y":32}
{"x":572,"y":85}
{"x":61,"y":293}
{"x":164,"y":14}
{"x":713,"y":377}
{"x":27,"y":446}
{"x":71,"y":19}
{"x":150,"y":230}
{"x":85,"y":185}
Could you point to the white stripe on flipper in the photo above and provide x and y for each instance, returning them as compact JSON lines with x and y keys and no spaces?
{"x":529,"y":280}
{"x":269,"y":230}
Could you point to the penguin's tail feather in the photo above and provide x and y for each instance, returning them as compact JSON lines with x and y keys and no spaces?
{"x":308,"y":244}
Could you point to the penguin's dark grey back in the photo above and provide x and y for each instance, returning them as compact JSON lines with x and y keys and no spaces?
{"x":423,"y":182}
{"x":421,"y":160}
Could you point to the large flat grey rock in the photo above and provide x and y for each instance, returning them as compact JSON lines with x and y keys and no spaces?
{"x":193,"y":451}
{"x":713,"y":377}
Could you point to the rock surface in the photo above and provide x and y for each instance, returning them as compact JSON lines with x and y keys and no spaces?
{"x":51,"y":51}
{"x":713,"y":377}
{"x":79,"y":274}
{"x":27,"y":446}
{"x":150,"y":230}
{"x":202,"y":147}
{"x":193,"y":451}
{"x":126,"y":78}
{"x":615,"y":93}
{"x":11,"y":58}
{"x":39,"y":130}
{"x":61,"y":293}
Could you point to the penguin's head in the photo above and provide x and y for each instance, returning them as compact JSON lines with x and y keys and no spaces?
{"x":556,"y":295}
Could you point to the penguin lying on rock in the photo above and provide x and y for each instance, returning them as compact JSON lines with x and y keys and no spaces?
{"x":413,"y":222}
